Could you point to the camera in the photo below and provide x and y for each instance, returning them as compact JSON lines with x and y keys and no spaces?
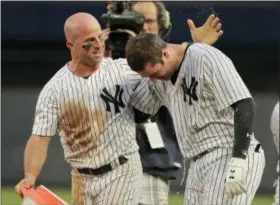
{"x":121,"y":16}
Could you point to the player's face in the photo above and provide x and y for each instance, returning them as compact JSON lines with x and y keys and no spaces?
{"x":89,"y":46}
{"x":149,"y":10}
{"x":159,"y":71}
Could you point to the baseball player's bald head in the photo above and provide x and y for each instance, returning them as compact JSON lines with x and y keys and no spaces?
{"x":78,"y":24}
{"x":84,"y":39}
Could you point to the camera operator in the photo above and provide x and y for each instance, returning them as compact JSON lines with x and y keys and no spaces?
{"x":161,"y":157}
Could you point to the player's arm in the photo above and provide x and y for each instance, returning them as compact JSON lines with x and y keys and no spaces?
{"x":45,"y":126}
{"x":208,"y":33}
{"x":35,"y":155}
{"x":230,"y":92}
{"x":244,"y":114}
{"x":145,"y":98}
{"x":274,"y":125}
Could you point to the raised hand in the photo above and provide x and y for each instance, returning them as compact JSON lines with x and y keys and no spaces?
{"x":209,"y":33}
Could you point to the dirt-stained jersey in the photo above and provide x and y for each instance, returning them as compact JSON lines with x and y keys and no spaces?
{"x":91,"y":115}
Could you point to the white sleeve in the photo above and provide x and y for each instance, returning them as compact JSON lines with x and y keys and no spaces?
{"x":274,"y":124}
{"x":142,"y":97}
{"x":46,"y":113}
{"x":145,"y":99}
{"x":132,"y":78}
{"x":227,"y":85}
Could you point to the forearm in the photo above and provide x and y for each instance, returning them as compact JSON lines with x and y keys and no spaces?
{"x":35,"y":155}
{"x":244,"y":113}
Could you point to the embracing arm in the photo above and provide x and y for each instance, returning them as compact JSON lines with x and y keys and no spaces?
{"x":145,"y":99}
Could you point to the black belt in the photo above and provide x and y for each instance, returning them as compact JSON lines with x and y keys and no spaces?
{"x":101,"y":170}
{"x":195,"y":158}
{"x":201,"y":155}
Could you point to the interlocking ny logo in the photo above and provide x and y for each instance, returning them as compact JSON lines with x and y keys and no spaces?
{"x":190,"y":91}
{"x":116,"y":100}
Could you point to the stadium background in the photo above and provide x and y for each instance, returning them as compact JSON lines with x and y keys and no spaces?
{"x":33,"y":49}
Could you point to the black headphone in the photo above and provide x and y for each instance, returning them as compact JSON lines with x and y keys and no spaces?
{"x":166,"y":27}
{"x":163,"y":20}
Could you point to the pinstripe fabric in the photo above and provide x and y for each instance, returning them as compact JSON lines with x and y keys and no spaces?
{"x":145,"y":98}
{"x":199,"y":102}
{"x":276,"y":185}
{"x":274,"y":124}
{"x":90,"y":135}
{"x":206,"y":178}
{"x":96,"y":127}
{"x":198,"y":126}
{"x":118,"y":187}
{"x":154,"y":190}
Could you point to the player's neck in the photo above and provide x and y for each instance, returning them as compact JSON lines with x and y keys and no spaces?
{"x":179,"y":51}
{"x":82,"y":70}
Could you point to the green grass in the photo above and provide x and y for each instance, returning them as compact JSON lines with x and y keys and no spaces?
{"x":10,"y":198}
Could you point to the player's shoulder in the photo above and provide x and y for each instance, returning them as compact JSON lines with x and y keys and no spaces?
{"x":118,"y":63}
{"x":274,"y":120}
{"x":121,"y":65}
{"x":209,"y":54}
{"x":276,"y":109}
{"x":57,"y":78}
{"x":205,"y":50}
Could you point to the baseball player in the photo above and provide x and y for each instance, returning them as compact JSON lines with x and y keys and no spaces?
{"x":213,"y":114}
{"x":274,"y":124}
{"x":85,"y":102}
{"x":160,"y":155}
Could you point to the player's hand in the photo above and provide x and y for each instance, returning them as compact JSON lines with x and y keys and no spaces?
{"x":129,"y":32}
{"x":26,"y":183}
{"x":105,"y":34}
{"x":209,"y":33}
{"x":236,"y":177}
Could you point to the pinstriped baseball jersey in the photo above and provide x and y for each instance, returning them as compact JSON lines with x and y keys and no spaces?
{"x":91,"y":115}
{"x":274,"y":124}
{"x":199,"y":101}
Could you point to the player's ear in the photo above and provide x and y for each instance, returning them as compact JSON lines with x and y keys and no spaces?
{"x":165,"y":53}
{"x":69,"y":45}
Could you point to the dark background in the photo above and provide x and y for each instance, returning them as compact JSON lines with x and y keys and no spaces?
{"x":33,"y":49}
